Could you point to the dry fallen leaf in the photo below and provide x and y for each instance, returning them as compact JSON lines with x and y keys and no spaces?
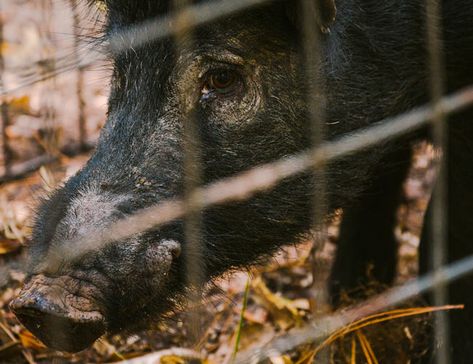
{"x":171,"y":356}
{"x":4,"y":47}
{"x":20,"y":105}
{"x":257,"y":315}
{"x":284,"y":310}
{"x":10,"y":225}
{"x":172,"y":359}
{"x":8,"y":246}
{"x":28,"y":341}
{"x":105,"y":349}
{"x":281,"y":360}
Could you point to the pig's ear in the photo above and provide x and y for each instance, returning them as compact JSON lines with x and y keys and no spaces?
{"x":325,"y":10}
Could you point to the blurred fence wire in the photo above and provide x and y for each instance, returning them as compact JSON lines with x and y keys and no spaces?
{"x":264,"y":177}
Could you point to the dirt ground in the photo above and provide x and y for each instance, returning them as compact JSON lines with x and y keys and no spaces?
{"x":281,"y":295}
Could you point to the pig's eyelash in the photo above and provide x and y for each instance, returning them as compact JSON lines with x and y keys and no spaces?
{"x":221,"y":82}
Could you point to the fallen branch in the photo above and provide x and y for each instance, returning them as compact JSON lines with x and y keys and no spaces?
{"x":20,"y":170}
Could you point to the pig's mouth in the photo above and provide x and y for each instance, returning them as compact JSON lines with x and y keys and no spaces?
{"x":62,"y":312}
{"x":69,"y":311}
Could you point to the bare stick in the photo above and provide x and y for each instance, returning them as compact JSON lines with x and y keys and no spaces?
{"x":20,"y":170}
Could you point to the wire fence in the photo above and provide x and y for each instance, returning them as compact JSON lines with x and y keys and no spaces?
{"x":50,"y":54}
{"x":264,"y":177}
{"x":439,"y":204}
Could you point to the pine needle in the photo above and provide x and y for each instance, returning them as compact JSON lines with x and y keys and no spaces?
{"x":353,"y":351}
{"x":382,"y":317}
{"x":373,"y":320}
{"x":367,"y":349}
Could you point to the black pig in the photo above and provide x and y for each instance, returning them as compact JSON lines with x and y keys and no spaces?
{"x":242,"y":78}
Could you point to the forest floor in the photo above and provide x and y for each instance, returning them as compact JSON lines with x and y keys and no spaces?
{"x":281,"y":296}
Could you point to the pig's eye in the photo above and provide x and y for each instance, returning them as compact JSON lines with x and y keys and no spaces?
{"x":221,"y":82}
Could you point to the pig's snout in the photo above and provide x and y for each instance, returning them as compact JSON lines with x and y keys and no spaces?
{"x":60,"y":312}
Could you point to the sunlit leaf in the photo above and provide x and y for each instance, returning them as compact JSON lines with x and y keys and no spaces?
{"x":282,"y":308}
{"x":28,"y":341}
{"x":8,"y":246}
{"x":20,"y":105}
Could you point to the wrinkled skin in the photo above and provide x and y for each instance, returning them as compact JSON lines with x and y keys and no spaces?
{"x":374,"y":66}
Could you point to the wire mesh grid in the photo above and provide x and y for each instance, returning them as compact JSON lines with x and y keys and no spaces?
{"x":197,"y":197}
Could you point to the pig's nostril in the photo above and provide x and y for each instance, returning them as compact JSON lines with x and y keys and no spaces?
{"x":58,"y":330}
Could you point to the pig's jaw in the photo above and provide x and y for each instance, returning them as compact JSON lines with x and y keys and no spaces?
{"x":69,"y":311}
{"x":62,"y":312}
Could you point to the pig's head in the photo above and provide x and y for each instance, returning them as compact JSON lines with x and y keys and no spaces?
{"x":241,"y":79}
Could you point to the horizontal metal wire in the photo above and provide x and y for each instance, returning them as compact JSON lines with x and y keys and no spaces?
{"x":244,"y":185}
{"x":138,"y":35}
{"x":320,"y":329}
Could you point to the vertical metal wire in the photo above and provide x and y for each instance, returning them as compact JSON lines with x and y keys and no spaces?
{"x":81,"y":121}
{"x":439,"y":202}
{"x":312,"y":65}
{"x":5,"y":120}
{"x":50,"y":142}
{"x":312,"y":57}
{"x":193,"y":256}
{"x":316,"y":112}
{"x":47,"y":8}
